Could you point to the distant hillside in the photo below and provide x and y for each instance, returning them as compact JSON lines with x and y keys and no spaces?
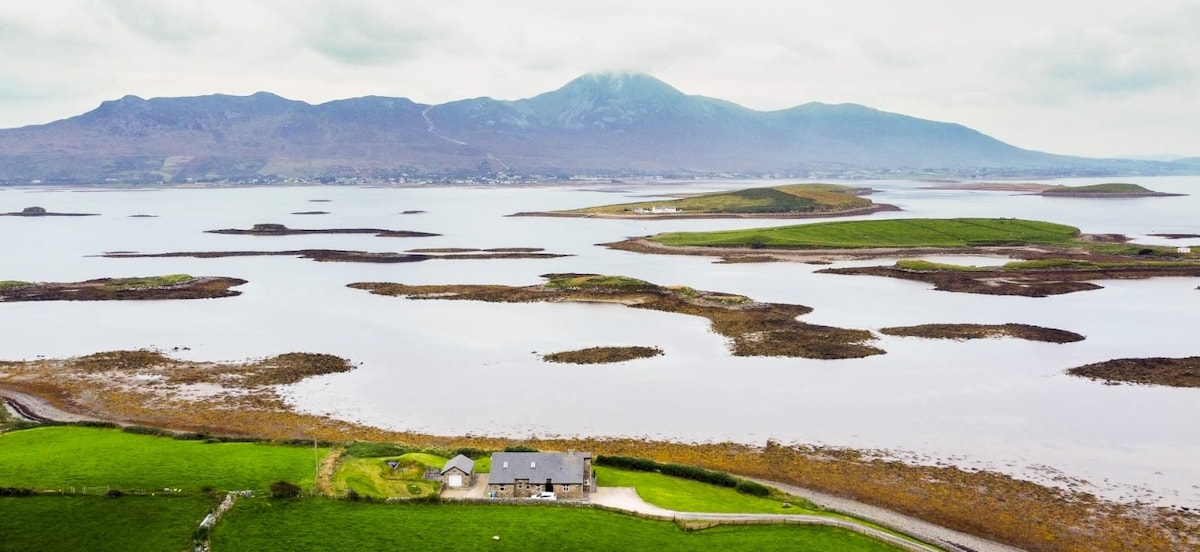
{"x":607,"y":124}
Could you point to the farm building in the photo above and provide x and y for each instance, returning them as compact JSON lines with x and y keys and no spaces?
{"x":458,"y":472}
{"x":523,"y":474}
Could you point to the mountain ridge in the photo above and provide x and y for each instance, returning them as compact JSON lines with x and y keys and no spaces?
{"x":602,"y":124}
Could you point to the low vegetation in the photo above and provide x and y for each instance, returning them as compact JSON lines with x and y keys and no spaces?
{"x":755,"y":329}
{"x":376,"y":478}
{"x":100,"y":524}
{"x":984,"y":331}
{"x":1115,"y":189}
{"x":906,"y":233}
{"x":77,"y":457}
{"x":339,"y":525}
{"x":602,"y":355}
{"x":1173,"y":372}
{"x":172,"y":286}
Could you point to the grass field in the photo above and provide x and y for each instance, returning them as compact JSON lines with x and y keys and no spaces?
{"x":58,"y":457}
{"x":95,"y":524}
{"x":884,"y":233}
{"x":684,"y":495}
{"x":795,"y":198}
{"x":372,"y":477}
{"x":261,"y":524}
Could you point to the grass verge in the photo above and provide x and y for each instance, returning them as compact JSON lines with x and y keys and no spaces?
{"x":327,"y":525}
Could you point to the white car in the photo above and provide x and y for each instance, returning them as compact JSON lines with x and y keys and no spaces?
{"x":544,"y":495}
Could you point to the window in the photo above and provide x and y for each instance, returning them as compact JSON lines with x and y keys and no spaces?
{"x":566,"y":488}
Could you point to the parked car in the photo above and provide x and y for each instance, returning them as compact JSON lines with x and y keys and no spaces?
{"x":544,"y":495}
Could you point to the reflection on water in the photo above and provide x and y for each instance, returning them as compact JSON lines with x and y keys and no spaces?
{"x":1004,"y":404}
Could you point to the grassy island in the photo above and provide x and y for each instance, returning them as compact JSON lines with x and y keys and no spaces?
{"x":1055,"y":258}
{"x":756,"y":329}
{"x":899,"y":233}
{"x":1172,"y":372}
{"x":172,"y":286}
{"x":1112,"y":189}
{"x":602,"y":355}
{"x":795,"y":200}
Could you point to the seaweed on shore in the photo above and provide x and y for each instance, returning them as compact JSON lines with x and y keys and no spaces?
{"x":1172,"y":372}
{"x":755,"y":329}
{"x":984,"y":331}
{"x":175,"y":286}
{"x":602,"y":355}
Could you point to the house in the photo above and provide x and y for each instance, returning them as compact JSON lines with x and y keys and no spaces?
{"x":458,"y":472}
{"x":523,"y":474}
{"x":1184,"y":250}
{"x":658,"y":209}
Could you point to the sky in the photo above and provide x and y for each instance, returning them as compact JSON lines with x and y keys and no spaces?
{"x":1094,"y":78}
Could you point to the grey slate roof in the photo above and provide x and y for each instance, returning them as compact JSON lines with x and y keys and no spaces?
{"x":461,"y":462}
{"x":559,"y":467}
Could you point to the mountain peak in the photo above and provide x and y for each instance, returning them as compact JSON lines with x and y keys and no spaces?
{"x":620,"y":83}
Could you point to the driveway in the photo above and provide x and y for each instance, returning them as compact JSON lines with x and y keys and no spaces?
{"x":478,"y":489}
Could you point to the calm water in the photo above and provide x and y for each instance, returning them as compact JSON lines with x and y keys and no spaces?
{"x":1002,"y":404}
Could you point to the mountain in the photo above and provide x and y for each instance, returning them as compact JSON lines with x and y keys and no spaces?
{"x":612,"y":124}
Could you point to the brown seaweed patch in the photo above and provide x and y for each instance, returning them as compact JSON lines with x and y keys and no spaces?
{"x":984,"y":331}
{"x":274,"y":229}
{"x":602,"y":355}
{"x":1173,"y":372}
{"x":755,"y":329}
{"x":175,"y":286}
{"x":335,"y":255}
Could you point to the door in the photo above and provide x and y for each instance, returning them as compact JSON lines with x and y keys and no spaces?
{"x":455,"y":481}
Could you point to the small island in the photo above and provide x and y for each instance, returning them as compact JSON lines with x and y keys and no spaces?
{"x":754,"y":329}
{"x":792,"y":201}
{"x":42,"y":212}
{"x":311,"y":213}
{"x":1172,"y":372}
{"x":173,"y":286}
{"x":962,"y":332}
{"x":602,"y":355}
{"x":1110,"y":190}
{"x":334,"y":255}
{"x":1053,"y":258}
{"x":273,"y":229}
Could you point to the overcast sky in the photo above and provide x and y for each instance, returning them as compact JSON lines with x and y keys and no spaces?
{"x":1095,"y":78}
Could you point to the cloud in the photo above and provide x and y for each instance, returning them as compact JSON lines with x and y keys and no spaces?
{"x":365,"y":34}
{"x":1152,"y":52}
{"x":166,"y":21}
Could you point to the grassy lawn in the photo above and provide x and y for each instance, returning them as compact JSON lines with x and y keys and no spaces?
{"x":795,"y":198}
{"x":483,"y":465}
{"x":318,"y":525}
{"x":425,"y":459}
{"x":372,"y":477}
{"x":126,"y":524}
{"x":884,"y":233}
{"x":58,"y":457}
{"x":685,"y":495}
